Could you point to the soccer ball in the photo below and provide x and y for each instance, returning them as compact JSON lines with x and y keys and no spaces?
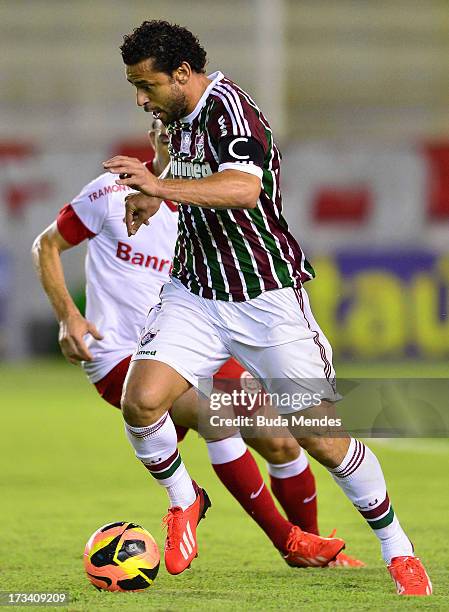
{"x":121,"y":557}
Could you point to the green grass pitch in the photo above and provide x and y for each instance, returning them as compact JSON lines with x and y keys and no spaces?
{"x":67,"y":469}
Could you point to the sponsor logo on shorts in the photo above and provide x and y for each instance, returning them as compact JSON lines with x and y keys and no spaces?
{"x":148,"y":337}
{"x":151,"y":353}
{"x":248,"y":383}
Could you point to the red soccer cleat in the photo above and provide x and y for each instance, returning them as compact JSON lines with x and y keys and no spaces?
{"x":308,"y":550}
{"x":342,"y":560}
{"x":410,"y":576}
{"x":180,"y":544}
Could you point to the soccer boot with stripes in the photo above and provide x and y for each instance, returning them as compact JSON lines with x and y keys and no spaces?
{"x":409,"y":576}
{"x":343,"y":560}
{"x":308,"y":550}
{"x":180,"y":544}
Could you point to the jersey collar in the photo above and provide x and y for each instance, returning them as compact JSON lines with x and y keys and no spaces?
{"x":214,"y":78}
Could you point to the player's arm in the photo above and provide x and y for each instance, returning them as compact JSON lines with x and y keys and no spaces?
{"x":227,"y":189}
{"x":235,"y":186}
{"x":221,"y":190}
{"x":46,"y":253}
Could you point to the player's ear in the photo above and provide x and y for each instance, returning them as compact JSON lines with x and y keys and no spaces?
{"x":152,"y":139}
{"x":182,"y":73}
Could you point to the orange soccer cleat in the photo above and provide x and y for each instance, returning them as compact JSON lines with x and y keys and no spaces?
{"x":308,"y":550}
{"x":410,"y":576}
{"x":342,"y":560}
{"x":180,"y":544}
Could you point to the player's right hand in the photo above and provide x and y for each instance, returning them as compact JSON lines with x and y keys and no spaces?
{"x":138,"y":209}
{"x":71,"y":338}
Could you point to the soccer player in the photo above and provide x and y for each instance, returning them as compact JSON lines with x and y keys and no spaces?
{"x":237,"y":281}
{"x":123,"y":277}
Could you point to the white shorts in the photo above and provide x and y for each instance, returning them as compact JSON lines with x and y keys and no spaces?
{"x":274,"y":336}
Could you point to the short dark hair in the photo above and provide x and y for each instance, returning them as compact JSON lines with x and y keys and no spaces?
{"x":167,"y":44}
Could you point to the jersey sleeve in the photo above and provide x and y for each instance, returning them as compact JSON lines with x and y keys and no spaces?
{"x":237,"y":132}
{"x":91,"y":205}
{"x":70,"y":226}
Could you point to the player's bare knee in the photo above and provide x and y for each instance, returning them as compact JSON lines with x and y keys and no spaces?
{"x":289,"y":450}
{"x":142,"y":406}
{"x":276,"y":450}
{"x":283,"y":450}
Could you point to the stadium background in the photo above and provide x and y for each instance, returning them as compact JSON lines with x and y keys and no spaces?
{"x":358,"y":95}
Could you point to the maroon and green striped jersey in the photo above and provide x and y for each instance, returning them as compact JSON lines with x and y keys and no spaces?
{"x":232,"y":254}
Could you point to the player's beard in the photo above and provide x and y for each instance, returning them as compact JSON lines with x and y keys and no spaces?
{"x":176,"y":107}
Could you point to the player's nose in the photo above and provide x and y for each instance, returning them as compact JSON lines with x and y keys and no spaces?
{"x":142,"y":98}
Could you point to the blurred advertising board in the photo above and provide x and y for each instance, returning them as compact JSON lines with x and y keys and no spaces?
{"x":5,"y":285}
{"x":383,"y":304}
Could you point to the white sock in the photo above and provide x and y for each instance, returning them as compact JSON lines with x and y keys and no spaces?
{"x":224,"y":451}
{"x":361,"y":478}
{"x":156,"y":446}
{"x":292,"y":468}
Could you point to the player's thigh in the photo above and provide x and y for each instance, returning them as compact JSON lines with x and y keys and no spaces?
{"x":300,"y":372}
{"x":277,"y":450}
{"x":297,"y":350}
{"x":293,"y":375}
{"x":180,"y":333}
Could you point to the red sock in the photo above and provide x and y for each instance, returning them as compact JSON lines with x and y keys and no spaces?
{"x":297,"y":496}
{"x":244,"y":481}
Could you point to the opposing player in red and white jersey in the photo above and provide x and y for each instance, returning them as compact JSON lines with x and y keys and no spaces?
{"x":123,"y":276}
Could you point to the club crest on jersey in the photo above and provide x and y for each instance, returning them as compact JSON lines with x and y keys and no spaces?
{"x":148,"y":337}
{"x":199,"y":147}
{"x":186,"y":139}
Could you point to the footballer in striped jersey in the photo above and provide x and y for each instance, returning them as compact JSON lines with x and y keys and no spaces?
{"x":142,"y":265}
{"x":237,"y":284}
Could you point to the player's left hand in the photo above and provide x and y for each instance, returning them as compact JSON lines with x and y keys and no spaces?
{"x":132,"y":173}
{"x":138,"y":209}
